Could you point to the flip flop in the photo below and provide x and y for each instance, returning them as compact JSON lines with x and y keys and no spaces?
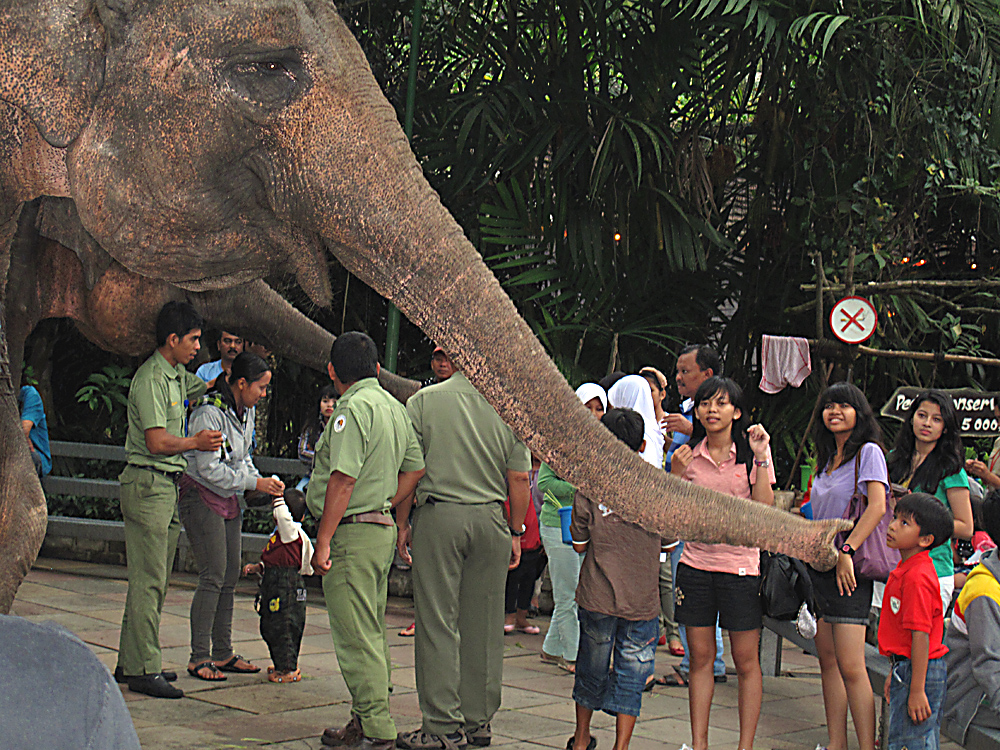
{"x":527,"y":629}
{"x":507,"y":629}
{"x":409,"y":631}
{"x":232,"y":666}
{"x":590,"y":745}
{"x":216,"y":675}
{"x":677,"y":650}
{"x":677,"y":679}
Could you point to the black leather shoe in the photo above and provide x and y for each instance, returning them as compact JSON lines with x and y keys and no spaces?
{"x":121,"y":679}
{"x":154,"y":685}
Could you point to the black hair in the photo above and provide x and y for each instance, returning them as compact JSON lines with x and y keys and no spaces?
{"x":609,"y":380}
{"x":991,"y":513}
{"x":930,"y":514}
{"x":705,"y":356}
{"x":866,"y":428}
{"x":626,"y":425}
{"x":977,"y":514}
{"x":314,"y":423}
{"x":296,"y":502}
{"x":246,"y":365}
{"x":707,"y":390}
{"x":354,"y":357}
{"x":944,"y":460}
{"x":176,"y":317}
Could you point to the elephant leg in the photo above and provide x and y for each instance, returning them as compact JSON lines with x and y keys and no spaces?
{"x":22,"y":504}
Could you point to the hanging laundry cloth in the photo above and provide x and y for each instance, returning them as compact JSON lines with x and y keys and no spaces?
{"x":785,"y":361}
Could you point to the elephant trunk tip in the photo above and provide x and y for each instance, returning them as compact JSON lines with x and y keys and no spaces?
{"x":826,"y":552}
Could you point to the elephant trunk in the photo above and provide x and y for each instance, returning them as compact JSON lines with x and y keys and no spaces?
{"x":390,"y":230}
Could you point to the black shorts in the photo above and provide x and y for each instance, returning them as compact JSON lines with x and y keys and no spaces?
{"x":702,"y":596}
{"x":831,"y":606}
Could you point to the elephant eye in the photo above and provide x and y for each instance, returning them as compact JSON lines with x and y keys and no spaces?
{"x":271,"y":80}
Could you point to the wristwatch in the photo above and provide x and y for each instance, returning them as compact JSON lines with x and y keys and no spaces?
{"x":848,"y":550}
{"x":519,"y":533}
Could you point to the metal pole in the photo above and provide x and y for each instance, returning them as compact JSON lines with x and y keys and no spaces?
{"x":392,"y":324}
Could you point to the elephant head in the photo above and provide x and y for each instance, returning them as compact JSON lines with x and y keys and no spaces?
{"x":208,"y":143}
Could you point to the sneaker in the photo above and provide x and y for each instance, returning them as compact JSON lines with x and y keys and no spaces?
{"x":418,"y":739}
{"x":481,"y":736}
{"x":805,"y":623}
{"x":347,"y":735}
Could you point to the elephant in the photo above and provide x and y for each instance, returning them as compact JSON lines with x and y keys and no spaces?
{"x":205,"y":145}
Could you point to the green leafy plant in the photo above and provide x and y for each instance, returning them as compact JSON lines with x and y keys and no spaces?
{"x":106,"y":394}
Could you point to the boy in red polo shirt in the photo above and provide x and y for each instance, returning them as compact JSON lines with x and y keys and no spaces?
{"x":912,"y":624}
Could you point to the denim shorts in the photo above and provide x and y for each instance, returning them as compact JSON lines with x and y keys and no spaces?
{"x":704,"y":596}
{"x":903,"y":733}
{"x":833,"y":607}
{"x":614,"y":661}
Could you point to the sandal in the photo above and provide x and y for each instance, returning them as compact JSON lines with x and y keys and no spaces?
{"x":409,"y":631}
{"x":282,"y":677}
{"x":675,"y":650}
{"x":527,"y":629}
{"x":590,"y":745}
{"x":215,"y":675}
{"x":233,"y":665}
{"x":677,"y":679}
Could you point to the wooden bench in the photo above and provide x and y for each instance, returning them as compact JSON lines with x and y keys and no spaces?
{"x":76,"y":532}
{"x":109,"y":489}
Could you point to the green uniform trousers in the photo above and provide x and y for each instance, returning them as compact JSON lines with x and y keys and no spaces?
{"x":355,"y":590}
{"x":152,"y":526}
{"x":460,"y":557}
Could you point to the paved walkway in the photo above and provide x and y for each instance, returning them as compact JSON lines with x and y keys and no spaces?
{"x":247,"y":711}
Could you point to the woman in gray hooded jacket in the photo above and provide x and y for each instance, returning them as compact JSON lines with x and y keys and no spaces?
{"x":209,"y":506}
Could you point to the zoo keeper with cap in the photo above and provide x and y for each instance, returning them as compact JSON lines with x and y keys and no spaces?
{"x":366,"y":461}
{"x":154,"y":444}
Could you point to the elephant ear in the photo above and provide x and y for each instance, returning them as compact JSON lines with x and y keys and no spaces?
{"x":52,"y":63}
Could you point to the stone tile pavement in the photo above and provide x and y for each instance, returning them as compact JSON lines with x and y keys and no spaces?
{"x":246,"y":711}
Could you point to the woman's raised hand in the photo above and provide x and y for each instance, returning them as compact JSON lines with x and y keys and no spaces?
{"x":759,"y":440}
{"x":271,"y":486}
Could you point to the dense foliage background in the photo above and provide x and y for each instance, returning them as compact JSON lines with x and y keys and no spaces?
{"x":649,"y":173}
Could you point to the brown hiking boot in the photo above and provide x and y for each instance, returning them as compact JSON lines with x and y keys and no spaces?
{"x":348,"y":735}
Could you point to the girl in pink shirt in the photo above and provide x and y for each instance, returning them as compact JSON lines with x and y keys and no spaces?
{"x":721,"y":580}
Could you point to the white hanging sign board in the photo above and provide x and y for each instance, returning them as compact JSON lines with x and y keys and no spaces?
{"x":853,"y":320}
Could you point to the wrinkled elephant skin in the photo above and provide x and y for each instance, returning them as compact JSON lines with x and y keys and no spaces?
{"x":208,"y":144}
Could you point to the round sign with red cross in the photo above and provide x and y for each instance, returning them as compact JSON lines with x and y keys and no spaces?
{"x":853,"y":320}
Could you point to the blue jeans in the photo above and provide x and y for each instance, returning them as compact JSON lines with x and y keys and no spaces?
{"x":614,"y":662}
{"x":563,"y":638}
{"x":903,"y":733}
{"x":719,"y":666}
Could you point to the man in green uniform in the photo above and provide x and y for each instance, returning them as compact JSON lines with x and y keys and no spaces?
{"x":154,"y":443}
{"x":462,"y":549}
{"x":367,"y":461}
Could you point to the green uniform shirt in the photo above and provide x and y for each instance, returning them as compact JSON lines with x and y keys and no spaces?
{"x":468,"y":448}
{"x":156,"y":399}
{"x":370,"y":439}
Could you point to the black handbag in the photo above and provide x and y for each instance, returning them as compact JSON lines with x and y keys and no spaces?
{"x":784,"y":586}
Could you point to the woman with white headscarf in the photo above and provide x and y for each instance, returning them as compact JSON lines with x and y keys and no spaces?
{"x":563,"y":639}
{"x":632,"y":392}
